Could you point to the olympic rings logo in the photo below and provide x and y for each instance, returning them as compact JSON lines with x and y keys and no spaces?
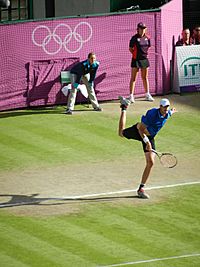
{"x":72,"y":35}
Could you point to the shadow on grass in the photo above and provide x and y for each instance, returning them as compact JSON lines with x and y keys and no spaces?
{"x":84,"y":107}
{"x":33,"y":199}
{"x":39,"y":111}
{"x":189,"y":99}
{"x":32,"y":111}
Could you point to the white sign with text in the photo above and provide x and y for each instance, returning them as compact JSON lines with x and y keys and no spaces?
{"x":187,"y":69}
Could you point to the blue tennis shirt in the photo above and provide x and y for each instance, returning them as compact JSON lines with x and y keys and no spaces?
{"x":154,"y":121}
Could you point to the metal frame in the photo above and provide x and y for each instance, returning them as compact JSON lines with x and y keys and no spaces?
{"x":28,"y":7}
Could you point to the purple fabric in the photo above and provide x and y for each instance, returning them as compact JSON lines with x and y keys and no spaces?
{"x":33,"y":54}
{"x":171,"y":24}
{"x":44,"y":81}
{"x":190,"y":88}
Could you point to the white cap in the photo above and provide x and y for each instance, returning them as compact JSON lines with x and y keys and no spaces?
{"x":164,"y":102}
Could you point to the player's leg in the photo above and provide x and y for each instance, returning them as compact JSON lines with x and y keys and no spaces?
{"x":134,"y":73}
{"x":150,"y":157}
{"x":145,"y":80}
{"x":122,"y":121}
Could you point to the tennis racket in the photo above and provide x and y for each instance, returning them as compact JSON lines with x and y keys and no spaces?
{"x":168,"y":160}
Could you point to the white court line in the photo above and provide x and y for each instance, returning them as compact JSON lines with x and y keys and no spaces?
{"x":152,"y":260}
{"x":130,"y":191}
{"x":79,"y":197}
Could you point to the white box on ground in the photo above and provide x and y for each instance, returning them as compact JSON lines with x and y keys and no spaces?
{"x":82,"y":88}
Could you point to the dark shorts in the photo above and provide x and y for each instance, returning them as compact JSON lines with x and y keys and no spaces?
{"x":141,"y":63}
{"x":132,"y":133}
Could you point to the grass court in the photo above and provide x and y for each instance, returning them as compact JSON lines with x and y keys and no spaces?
{"x":48,"y":157}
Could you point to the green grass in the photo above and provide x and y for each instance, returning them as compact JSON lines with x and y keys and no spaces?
{"x":46,"y":138}
{"x":102,"y":233}
{"x":105,"y":233}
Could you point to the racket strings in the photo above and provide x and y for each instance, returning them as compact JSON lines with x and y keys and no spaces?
{"x":168,"y":160}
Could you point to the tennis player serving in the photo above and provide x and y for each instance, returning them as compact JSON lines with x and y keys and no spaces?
{"x":145,"y":132}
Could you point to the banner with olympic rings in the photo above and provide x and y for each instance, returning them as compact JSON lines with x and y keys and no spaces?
{"x":63,"y":39}
{"x":34,"y":53}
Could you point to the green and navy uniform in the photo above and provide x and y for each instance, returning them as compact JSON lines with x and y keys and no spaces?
{"x":83,"y":72}
{"x":83,"y":68}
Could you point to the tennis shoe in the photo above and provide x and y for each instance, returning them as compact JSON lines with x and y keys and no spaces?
{"x":124,"y":102}
{"x":149,"y":98}
{"x":141,"y":194}
{"x":98,"y":109}
{"x":131,"y":98}
{"x":68,"y":111}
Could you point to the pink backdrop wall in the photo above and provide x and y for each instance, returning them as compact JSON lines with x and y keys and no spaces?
{"x":33,"y":54}
{"x":171,"y":24}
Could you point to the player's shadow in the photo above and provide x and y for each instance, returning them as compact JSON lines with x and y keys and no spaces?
{"x":33,"y":199}
{"x":21,"y":200}
{"x":101,"y":199}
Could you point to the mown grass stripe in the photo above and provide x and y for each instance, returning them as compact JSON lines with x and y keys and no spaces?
{"x":47,"y":143}
{"x":116,"y":242}
{"x":153,"y":234}
{"x":53,"y":143}
{"x":24,"y":252}
{"x":43,"y":250}
{"x":19,"y":143}
{"x":110,"y":248}
{"x":95,"y":247}
{"x":13,"y":155}
{"x":126,"y":234}
{"x":175,"y":217}
{"x":96,"y":135}
{"x":157,"y":233}
{"x":40,"y":151}
{"x":10,"y":261}
{"x":103,"y":128}
{"x":123,"y":230}
{"x":60,"y":238}
{"x":80,"y":244}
